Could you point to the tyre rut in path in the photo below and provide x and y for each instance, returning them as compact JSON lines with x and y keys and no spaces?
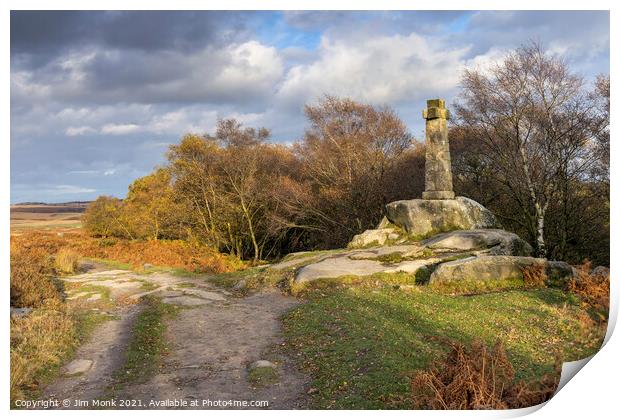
{"x":212,"y":346}
{"x":106,"y":350}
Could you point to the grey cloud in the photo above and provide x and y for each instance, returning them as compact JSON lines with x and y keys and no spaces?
{"x":39,"y":36}
{"x":386,"y":21}
{"x":583,"y":32}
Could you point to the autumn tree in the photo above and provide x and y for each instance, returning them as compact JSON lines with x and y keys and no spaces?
{"x":193,"y":165}
{"x":242,"y":190}
{"x":534,"y":119}
{"x":349,"y":153}
{"x":151,"y":207}
{"x":104,"y":218}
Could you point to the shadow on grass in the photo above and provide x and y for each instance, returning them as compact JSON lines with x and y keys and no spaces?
{"x":361,"y":345}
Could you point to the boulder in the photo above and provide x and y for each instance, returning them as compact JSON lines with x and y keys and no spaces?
{"x":499,"y":241}
{"x":262,"y":364}
{"x":600,"y":271}
{"x":240,"y":285}
{"x":20,"y":312}
{"x":426,"y":217}
{"x":483,"y":268}
{"x":499,"y":268}
{"x":77,"y":367}
{"x":559,"y":273}
{"x":373,"y":237}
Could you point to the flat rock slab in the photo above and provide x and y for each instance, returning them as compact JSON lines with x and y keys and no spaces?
{"x":425,"y":217}
{"x":378,"y":252}
{"x":300,"y":259}
{"x":501,"y":241}
{"x":77,"y":367}
{"x":208,"y":295}
{"x":77,"y":295}
{"x":336,"y":267}
{"x":184,"y":300}
{"x":98,"y":275}
{"x":346,"y":266}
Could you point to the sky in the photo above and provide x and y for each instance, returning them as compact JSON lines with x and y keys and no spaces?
{"x":97,"y":97}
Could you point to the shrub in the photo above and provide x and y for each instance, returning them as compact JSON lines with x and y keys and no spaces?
{"x":32,"y":281}
{"x":169,"y":253}
{"x":534,"y":276}
{"x":477,"y":378}
{"x":66,"y":261}
{"x":593,"y":288}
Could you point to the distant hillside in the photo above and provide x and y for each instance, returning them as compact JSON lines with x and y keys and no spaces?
{"x":33,"y":207}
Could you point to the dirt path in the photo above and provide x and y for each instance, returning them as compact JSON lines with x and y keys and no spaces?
{"x":213,"y":341}
{"x":105,"y":349}
{"x":212,"y":348}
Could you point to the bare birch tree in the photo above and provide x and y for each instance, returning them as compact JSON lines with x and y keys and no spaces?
{"x":534,"y":120}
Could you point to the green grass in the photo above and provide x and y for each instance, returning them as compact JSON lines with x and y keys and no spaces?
{"x":92,"y":289}
{"x":185,"y":285}
{"x":392,"y":258}
{"x":111,"y":264}
{"x":147,"y":286}
{"x":148,"y":344}
{"x":473,"y":286}
{"x":256,"y":278}
{"x":262,"y":376}
{"x":86,"y":321}
{"x":361,"y":345}
{"x":343,"y":282}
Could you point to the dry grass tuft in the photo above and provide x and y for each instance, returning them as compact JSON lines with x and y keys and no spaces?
{"x":477,"y":378}
{"x":41,"y":340}
{"x":39,"y":343}
{"x":593,"y":288}
{"x":32,"y":281}
{"x":66,"y":261}
{"x":535,"y":276}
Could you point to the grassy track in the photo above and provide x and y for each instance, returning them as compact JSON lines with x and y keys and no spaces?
{"x":148,"y":343}
{"x":361,"y":344}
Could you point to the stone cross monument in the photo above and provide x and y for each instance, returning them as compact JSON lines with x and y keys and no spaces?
{"x":438,"y":176}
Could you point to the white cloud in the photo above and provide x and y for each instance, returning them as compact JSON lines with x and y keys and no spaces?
{"x":65,"y":189}
{"x":79,"y":131}
{"x":120,"y":129}
{"x":485,"y":62}
{"x":84,"y":172}
{"x":184,"y":120}
{"x":385,"y":69}
{"x":251,"y":64}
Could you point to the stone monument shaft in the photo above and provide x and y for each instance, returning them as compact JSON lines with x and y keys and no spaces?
{"x":438,"y":166}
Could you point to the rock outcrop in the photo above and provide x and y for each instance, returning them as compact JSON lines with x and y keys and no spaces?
{"x":421,"y":218}
{"x":489,"y":268}
{"x":374,"y":237}
{"x":495,"y":241}
{"x":455,"y":241}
